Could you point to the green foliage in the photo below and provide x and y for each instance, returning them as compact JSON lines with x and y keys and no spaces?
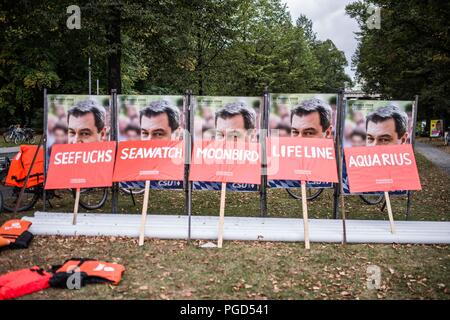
{"x":408,"y":55}
{"x":233,"y":47}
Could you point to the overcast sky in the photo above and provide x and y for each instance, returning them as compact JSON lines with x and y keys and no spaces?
{"x":329,"y":22}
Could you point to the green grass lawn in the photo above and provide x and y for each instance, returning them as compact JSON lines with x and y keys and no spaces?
{"x":169,"y":269}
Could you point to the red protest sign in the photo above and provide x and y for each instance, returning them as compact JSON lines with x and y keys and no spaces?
{"x":382,"y":168}
{"x":307,"y":159}
{"x":149,"y":160}
{"x":82,"y":165}
{"x":226,"y":161}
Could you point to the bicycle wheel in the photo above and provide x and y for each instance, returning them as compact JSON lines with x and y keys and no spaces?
{"x":132,"y":190}
{"x":92,"y":198}
{"x":372,"y":199}
{"x":11,"y":194}
{"x":7,"y":136}
{"x":31,"y":139}
{"x":311,"y":193}
{"x":19,"y":138}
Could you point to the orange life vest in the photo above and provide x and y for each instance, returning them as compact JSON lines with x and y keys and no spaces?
{"x":19,"y":283}
{"x":91,"y":271}
{"x":4,"y":242}
{"x":20,"y":165}
{"x":15,"y":232}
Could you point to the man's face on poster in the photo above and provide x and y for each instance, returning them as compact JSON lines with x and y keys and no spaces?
{"x":82,"y":129}
{"x":156,"y":127}
{"x":383,"y":133}
{"x":231,"y":128}
{"x":308,"y":126}
{"x":60,"y":136}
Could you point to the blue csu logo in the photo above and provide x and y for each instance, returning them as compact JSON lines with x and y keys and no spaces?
{"x":202,"y":185}
{"x":170,"y":184}
{"x":242,"y":185}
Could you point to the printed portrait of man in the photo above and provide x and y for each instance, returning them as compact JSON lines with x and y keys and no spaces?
{"x":312,"y":119}
{"x":159,"y":120}
{"x":86,"y":122}
{"x":235,"y":121}
{"x":386,"y":126}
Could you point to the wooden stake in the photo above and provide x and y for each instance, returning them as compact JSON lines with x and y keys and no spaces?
{"x":305,"y":215}
{"x":144,"y":213}
{"x":75,"y":207}
{"x":391,"y":217}
{"x":222,"y":214}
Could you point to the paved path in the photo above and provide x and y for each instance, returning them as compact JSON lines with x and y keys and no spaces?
{"x":9,"y":150}
{"x":438,"y":157}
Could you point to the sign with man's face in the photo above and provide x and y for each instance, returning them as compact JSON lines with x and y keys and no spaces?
{"x":233,"y":119}
{"x":82,"y":128}
{"x":77,"y":119}
{"x":376,"y":123}
{"x":302,"y":116}
{"x":227,"y":118}
{"x":151,"y":118}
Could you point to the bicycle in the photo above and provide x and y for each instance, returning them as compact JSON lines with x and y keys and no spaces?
{"x":92,"y":198}
{"x":19,"y":135}
{"x":30,"y":135}
{"x":311,"y":193}
{"x":8,"y":135}
{"x":314,"y":193}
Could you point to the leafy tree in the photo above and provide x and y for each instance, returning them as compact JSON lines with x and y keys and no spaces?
{"x":408,"y":55}
{"x":233,"y":47}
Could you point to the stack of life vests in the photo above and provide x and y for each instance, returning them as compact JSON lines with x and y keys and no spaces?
{"x":77,"y":272}
{"x":73,"y":274}
{"x":14,"y":234}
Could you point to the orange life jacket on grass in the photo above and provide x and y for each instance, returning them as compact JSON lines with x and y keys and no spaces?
{"x":4,"y":242}
{"x":16,"y":232}
{"x":20,"y":165}
{"x":22,"y":282}
{"x":91,"y":271}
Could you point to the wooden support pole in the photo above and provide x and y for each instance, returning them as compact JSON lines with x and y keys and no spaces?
{"x":144,"y":213}
{"x":221,"y":214}
{"x":391,"y":217}
{"x":75,"y":207}
{"x":305,"y":215}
